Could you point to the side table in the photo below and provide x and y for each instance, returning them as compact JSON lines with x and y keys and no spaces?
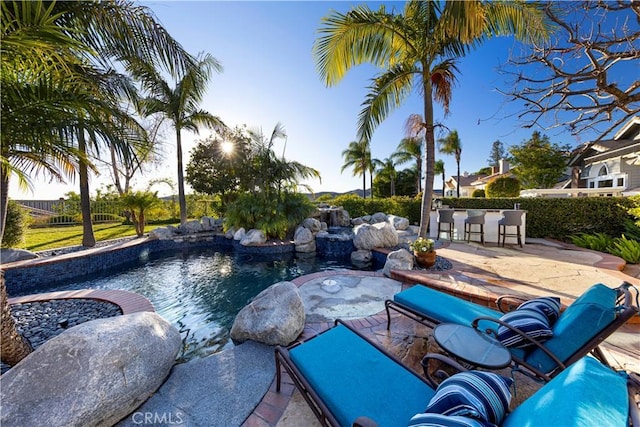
{"x":472,"y":347}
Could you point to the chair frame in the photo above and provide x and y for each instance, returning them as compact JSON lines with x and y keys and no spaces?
{"x":502,"y":231}
{"x":468,"y":232}
{"x":626,"y":311}
{"x":451,"y":225}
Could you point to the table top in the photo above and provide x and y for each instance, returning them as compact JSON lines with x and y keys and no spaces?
{"x":472,"y":346}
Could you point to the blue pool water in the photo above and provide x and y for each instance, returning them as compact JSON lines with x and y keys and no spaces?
{"x":200,"y":292}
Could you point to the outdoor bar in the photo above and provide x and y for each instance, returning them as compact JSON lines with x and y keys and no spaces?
{"x":490,"y":226}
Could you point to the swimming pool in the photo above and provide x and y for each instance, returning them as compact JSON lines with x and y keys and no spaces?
{"x":201,"y":291}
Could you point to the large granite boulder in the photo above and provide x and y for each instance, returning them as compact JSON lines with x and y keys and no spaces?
{"x":378,"y":217}
{"x":401,"y":259}
{"x":274,"y":317}
{"x":304,"y":240}
{"x":399,"y":223}
{"x":190,"y":227}
{"x":239,"y":234}
{"x":12,"y":255}
{"x":93,"y":374}
{"x":253,"y":237}
{"x":312,"y":224}
{"x":161,"y":233}
{"x":370,"y":236}
{"x":361,"y":257}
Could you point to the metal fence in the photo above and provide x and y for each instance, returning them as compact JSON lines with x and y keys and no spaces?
{"x":66,"y":212}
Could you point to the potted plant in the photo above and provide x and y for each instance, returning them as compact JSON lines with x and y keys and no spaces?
{"x":424,"y":251}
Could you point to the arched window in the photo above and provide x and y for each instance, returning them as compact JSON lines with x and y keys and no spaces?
{"x":603,"y":171}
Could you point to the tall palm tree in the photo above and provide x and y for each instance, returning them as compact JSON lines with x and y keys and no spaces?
{"x":438,"y":168}
{"x":387,"y":168}
{"x":180,"y":104}
{"x":416,"y":47}
{"x":451,"y":144}
{"x":357,"y":156}
{"x":410,"y":150}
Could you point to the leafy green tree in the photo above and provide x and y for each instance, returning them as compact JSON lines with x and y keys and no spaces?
{"x":497,"y":153}
{"x":410,"y":150}
{"x":418,"y":47}
{"x":356,"y":156}
{"x":438,"y":168}
{"x":406,"y":182}
{"x":451,"y":144}
{"x":180,"y":105}
{"x":503,"y":186}
{"x":17,"y":222}
{"x":386,"y":168}
{"x":538,"y":163}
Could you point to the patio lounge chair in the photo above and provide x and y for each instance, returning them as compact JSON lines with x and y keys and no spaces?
{"x":348,"y":380}
{"x":579,"y":329}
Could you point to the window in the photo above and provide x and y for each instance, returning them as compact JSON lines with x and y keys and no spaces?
{"x":605,"y":183}
{"x":620,"y":182}
{"x":592,"y":185}
{"x":603,"y":171}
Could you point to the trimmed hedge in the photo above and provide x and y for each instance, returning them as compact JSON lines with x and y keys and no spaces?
{"x":557,"y":218}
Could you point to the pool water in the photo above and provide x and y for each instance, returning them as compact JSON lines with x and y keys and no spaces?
{"x":201,"y":292}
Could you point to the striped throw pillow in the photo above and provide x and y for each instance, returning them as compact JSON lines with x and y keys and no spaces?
{"x":549,"y":306}
{"x":532,"y":322}
{"x":439,"y":420}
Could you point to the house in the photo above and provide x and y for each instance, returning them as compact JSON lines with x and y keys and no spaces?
{"x":610,"y":166}
{"x":503,"y":169}
{"x":466,"y":185}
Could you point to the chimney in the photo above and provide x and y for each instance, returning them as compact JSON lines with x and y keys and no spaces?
{"x":465,"y":174}
{"x":504,"y":166}
{"x":494,"y":170}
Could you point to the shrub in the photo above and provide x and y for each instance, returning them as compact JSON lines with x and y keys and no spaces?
{"x":597,"y":242}
{"x":503,"y":186}
{"x":478,"y":192}
{"x":627,"y":249}
{"x":16,"y":222}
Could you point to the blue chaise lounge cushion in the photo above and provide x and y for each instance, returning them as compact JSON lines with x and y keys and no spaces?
{"x":353,"y":378}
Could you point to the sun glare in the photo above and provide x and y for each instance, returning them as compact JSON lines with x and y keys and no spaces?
{"x":227,"y":147}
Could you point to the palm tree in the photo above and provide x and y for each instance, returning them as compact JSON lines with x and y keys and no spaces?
{"x":357,"y":156}
{"x":438,"y":168}
{"x":179,"y":104}
{"x":451,"y":144}
{"x":138,"y":203}
{"x":417,"y":47}
{"x":386,"y":168}
{"x":410,"y":150}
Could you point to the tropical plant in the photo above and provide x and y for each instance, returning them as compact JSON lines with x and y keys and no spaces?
{"x":503,"y":186}
{"x":17,"y":221}
{"x":13,"y":346}
{"x":438,"y":168}
{"x":451,"y":144}
{"x":410,"y":150}
{"x":596,"y":241}
{"x":627,"y":249}
{"x":180,"y":105}
{"x":422,"y":245}
{"x":356,"y":156}
{"x":138,"y":203}
{"x":387,"y":169}
{"x":418,"y":47}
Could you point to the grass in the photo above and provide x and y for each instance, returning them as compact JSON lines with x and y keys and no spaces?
{"x":40,"y":239}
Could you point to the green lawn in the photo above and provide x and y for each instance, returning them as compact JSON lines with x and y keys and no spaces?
{"x":40,"y":239}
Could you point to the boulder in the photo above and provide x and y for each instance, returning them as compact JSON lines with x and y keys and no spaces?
{"x":307,"y":248}
{"x":93,"y":374}
{"x":161,"y":233}
{"x":357,"y":221}
{"x":274,"y":317}
{"x":303,"y":236}
{"x":12,"y":255}
{"x":239,"y":235}
{"x":312,"y":224}
{"x":253,"y":237}
{"x":208,"y":223}
{"x":380,"y":235}
{"x":401,"y":259}
{"x":344,"y":220}
{"x":190,"y":227}
{"x":361,"y":256}
{"x":378,"y":217}
{"x":399,"y":223}
{"x":323,"y":226}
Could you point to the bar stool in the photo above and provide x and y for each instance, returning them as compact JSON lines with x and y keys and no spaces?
{"x":474,"y":217}
{"x":510,"y":219}
{"x":445,"y":216}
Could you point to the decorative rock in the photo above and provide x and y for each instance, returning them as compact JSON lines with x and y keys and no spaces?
{"x":253,"y":237}
{"x":274,"y":317}
{"x":104,"y":370}
{"x":230,"y":232}
{"x":323,"y":226}
{"x":239,"y":235}
{"x":344,"y":220}
{"x":312,"y":224}
{"x":190,"y":227}
{"x":380,"y":235}
{"x":399,"y":223}
{"x":307,"y":248}
{"x":401,"y":259}
{"x":304,"y":240}
{"x":366,"y":218}
{"x":357,"y":221}
{"x":361,"y":256}
{"x":11,"y":255}
{"x":208,"y":223}
{"x":378,"y":217}
{"x":161,"y":233}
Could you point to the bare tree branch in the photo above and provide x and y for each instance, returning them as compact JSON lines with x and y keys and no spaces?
{"x":588,"y":76}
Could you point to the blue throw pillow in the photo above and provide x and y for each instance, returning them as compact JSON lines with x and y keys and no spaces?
{"x":439,"y":420}
{"x":532,"y":322}
{"x":484,"y":396}
{"x":549,"y":306}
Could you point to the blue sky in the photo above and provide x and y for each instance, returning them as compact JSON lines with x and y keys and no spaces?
{"x":269,"y":76}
